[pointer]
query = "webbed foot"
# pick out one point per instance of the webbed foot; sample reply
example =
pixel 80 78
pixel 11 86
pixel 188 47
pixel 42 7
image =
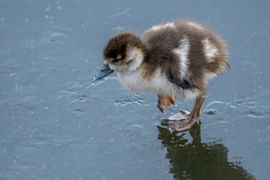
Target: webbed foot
pixel 181 121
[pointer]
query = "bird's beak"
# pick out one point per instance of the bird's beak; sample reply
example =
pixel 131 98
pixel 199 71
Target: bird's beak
pixel 103 72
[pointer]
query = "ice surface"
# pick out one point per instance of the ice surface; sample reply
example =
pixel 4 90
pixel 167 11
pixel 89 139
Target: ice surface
pixel 56 123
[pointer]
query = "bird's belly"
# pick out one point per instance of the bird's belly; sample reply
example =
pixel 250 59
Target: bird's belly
pixel 158 84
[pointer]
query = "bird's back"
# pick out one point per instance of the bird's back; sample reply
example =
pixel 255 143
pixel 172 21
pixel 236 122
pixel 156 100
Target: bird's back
pixel 186 52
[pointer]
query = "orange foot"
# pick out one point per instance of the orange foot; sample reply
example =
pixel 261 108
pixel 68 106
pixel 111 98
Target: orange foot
pixel 165 101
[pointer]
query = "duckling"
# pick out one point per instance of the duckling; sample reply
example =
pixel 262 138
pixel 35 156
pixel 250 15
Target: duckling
pixel 172 59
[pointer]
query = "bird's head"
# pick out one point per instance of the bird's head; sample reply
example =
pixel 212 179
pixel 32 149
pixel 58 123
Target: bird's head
pixel 124 52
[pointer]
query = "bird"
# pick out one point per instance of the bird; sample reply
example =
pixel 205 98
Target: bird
pixel 172 59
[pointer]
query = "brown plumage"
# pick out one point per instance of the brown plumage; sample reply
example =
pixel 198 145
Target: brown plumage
pixel 171 59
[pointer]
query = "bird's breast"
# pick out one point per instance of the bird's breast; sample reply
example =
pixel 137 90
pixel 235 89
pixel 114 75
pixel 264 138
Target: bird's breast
pixel 158 82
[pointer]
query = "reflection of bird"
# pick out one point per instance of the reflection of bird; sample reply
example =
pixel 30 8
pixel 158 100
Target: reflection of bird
pixel 197 160
pixel 171 59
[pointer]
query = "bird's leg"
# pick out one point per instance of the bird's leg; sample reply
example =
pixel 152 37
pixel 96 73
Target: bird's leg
pixel 196 112
pixel 185 120
pixel 165 101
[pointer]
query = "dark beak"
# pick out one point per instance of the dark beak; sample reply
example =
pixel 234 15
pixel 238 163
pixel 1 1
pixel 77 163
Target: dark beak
pixel 103 72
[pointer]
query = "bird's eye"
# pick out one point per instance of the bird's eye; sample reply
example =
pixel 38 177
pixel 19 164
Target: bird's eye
pixel 115 60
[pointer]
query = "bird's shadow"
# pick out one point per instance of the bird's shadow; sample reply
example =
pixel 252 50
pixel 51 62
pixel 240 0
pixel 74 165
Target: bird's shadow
pixel 193 159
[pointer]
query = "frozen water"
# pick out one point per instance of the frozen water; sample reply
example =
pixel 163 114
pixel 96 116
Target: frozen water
pixel 57 123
